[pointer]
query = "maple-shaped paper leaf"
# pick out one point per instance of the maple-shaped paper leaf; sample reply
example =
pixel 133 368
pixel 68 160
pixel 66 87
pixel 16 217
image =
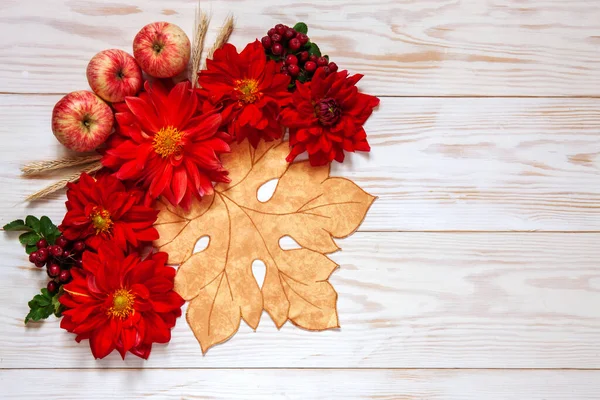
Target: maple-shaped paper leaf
pixel 307 205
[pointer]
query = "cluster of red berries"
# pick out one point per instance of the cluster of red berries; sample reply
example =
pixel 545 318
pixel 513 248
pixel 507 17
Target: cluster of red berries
pixel 58 258
pixel 283 43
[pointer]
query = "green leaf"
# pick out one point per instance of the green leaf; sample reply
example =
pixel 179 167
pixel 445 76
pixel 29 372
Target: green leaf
pixel 33 223
pixel 16 225
pixel 30 248
pixel 29 238
pixel 58 307
pixel 47 228
pixel 314 50
pixel 40 307
pixel 301 27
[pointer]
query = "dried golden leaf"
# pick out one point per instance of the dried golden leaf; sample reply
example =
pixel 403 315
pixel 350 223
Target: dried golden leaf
pixel 307 205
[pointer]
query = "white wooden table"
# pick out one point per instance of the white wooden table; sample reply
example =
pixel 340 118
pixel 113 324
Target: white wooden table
pixel 476 275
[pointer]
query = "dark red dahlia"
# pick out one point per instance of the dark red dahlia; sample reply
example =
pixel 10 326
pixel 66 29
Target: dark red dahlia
pixel 249 90
pixel 103 211
pixel 326 117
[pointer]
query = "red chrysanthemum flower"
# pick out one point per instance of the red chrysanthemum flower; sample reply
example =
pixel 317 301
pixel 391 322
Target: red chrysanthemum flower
pixel 326 117
pixel 166 146
pixel 249 90
pixel 121 302
pixel 103 211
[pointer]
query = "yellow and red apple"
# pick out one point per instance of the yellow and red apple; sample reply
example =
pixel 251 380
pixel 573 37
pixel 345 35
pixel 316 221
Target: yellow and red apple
pixel 113 75
pixel 162 49
pixel 82 121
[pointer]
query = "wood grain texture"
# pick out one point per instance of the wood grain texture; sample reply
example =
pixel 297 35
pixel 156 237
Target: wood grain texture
pixel 407 48
pixel 436 164
pixel 406 300
pixel 305 384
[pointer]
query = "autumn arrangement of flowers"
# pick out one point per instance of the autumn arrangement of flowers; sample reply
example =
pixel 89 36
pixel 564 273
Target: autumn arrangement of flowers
pixel 159 134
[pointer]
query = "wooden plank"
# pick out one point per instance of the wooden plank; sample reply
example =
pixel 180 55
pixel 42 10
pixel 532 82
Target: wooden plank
pixel 301 384
pixel 406 300
pixel 409 47
pixel 436 164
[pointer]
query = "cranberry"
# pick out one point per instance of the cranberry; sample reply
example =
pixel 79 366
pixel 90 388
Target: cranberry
pixel 326 69
pixel 42 254
pixel 39 263
pixel 56 250
pixel 303 56
pixel 64 276
pixel 266 42
pixel 289 33
pixel 293 69
pixel 291 59
pixel 313 58
pixel 272 31
pixel 53 270
pixel 280 28
pixel 52 287
pixel 294 44
pixel 78 262
pixel 333 67
pixel 276 38
pixel 302 38
pixel 277 49
pixel 322 61
pixel 310 66
pixel 62 242
pixel 66 254
pixel 33 257
pixel 42 244
pixel 78 247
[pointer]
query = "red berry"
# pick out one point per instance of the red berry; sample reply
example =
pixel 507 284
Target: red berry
pixel 66 254
pixel 39 264
pixel 56 250
pixel 33 257
pixel 289 33
pixel 322 61
pixel 291 59
pixel 266 42
pixel 303 56
pixel 78 247
pixel 326 69
pixel 277 49
pixel 293 69
pixel 302 38
pixel 313 58
pixel 280 28
pixel 272 31
pixel 333 67
pixel 52 287
pixel 62 242
pixel 294 44
pixel 53 270
pixel 41 244
pixel 310 66
pixel 276 38
pixel 42 254
pixel 78 262
pixel 64 276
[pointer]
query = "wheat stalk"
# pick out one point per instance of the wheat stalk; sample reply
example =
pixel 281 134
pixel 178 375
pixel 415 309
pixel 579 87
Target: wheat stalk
pixel 40 167
pixel 201 27
pixel 223 37
pixel 90 169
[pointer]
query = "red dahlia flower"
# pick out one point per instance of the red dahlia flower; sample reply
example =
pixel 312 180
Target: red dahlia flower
pixel 250 90
pixel 103 211
pixel 326 117
pixel 121 302
pixel 166 146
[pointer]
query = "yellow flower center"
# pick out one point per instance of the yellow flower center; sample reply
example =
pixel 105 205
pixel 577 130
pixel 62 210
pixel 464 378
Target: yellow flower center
pixel 101 220
pixel 122 305
pixel 167 141
pixel 247 90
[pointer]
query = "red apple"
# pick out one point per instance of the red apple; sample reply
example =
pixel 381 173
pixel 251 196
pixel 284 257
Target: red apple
pixel 82 121
pixel 162 49
pixel 113 75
